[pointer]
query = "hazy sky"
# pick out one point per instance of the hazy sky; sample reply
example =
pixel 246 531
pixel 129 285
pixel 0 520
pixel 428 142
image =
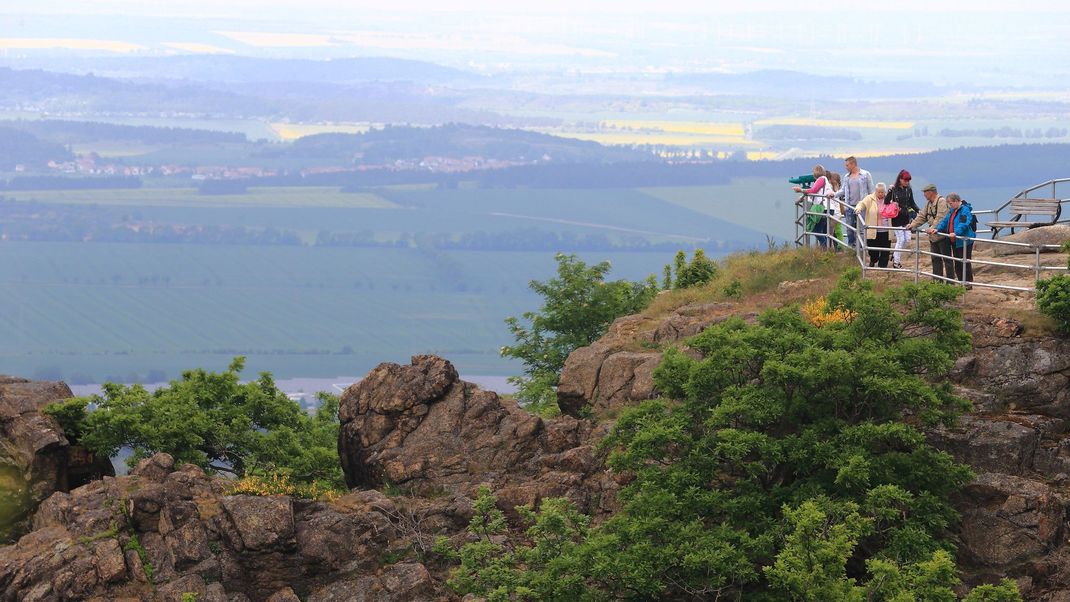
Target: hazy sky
pixel 934 40
pixel 295 9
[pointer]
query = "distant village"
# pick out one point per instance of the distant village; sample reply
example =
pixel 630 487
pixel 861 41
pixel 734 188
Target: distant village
pixel 92 164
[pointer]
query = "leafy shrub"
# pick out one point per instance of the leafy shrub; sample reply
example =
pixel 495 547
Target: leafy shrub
pixel 1053 299
pixel 280 484
pixel 215 421
pixel 781 469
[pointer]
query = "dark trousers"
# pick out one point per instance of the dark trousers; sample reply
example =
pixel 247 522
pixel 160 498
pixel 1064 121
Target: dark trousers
pixel 942 266
pixel 821 229
pixel 963 255
pixel 878 250
pixel 852 223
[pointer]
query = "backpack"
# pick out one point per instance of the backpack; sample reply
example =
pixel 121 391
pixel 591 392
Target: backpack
pixel 973 218
pixel 889 210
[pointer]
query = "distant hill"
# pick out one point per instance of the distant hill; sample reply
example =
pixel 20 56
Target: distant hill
pixel 246 69
pixel 240 69
pixel 375 101
pixel 72 132
pixel 399 143
pixel 22 148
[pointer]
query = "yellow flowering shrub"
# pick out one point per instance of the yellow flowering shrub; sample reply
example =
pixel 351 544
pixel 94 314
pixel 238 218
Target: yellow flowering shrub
pixel 281 484
pixel 817 312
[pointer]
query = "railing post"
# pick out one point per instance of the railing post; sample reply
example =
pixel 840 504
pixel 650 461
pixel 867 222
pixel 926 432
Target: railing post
pixel 1037 278
pixel 797 238
pixel 917 256
pixel 860 245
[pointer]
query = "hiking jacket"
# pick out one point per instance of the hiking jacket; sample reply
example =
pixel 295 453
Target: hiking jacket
pixel 962 218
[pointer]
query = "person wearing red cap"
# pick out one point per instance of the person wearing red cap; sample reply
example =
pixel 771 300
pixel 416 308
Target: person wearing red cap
pixel 903 195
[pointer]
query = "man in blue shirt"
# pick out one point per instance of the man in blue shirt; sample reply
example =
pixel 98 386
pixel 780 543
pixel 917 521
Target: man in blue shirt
pixel 857 185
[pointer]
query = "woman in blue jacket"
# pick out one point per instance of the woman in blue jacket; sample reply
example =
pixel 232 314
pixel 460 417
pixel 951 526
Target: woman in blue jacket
pixel 957 225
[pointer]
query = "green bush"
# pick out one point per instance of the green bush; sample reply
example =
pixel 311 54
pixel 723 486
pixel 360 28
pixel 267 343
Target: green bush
pixel 782 468
pixel 215 421
pixel 1053 299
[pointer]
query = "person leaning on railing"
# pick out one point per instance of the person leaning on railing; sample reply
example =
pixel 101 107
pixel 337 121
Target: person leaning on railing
pixel 930 216
pixel 819 193
pixel 957 225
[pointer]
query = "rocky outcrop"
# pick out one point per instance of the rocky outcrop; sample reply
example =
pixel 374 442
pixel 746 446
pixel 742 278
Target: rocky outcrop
pixel 1030 374
pixel 422 429
pixel 36 458
pixel 163 532
pixel 617 370
pixel 1045 235
pixel 1014 514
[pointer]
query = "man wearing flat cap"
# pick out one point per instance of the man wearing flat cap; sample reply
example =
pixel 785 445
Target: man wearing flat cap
pixel 934 211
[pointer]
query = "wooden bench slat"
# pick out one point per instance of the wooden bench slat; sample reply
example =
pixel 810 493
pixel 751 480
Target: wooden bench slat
pixel 1035 212
pixel 1017 224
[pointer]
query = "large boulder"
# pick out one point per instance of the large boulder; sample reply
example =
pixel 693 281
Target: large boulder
pixel 1008 520
pixel 422 429
pixel 617 370
pixel 1055 234
pixel 36 459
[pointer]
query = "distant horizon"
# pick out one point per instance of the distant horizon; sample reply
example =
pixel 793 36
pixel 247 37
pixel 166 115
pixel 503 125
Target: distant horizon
pixel 937 42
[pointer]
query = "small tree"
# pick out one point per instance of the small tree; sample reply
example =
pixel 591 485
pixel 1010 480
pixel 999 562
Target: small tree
pixel 698 271
pixel 212 420
pixel 578 306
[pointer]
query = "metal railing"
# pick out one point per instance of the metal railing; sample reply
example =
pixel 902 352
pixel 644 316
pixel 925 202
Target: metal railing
pixel 961 266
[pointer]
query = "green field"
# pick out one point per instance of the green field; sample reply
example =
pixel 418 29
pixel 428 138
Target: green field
pixel 89 311
pixel 306 196
pixel 79 311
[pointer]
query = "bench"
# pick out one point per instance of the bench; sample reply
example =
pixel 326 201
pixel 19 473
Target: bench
pixel 1046 212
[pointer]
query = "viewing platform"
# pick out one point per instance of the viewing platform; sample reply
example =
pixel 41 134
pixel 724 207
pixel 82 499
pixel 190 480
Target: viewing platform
pixel 1016 244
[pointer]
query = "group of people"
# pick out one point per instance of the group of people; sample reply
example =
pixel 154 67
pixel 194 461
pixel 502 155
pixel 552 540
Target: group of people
pixel 948 221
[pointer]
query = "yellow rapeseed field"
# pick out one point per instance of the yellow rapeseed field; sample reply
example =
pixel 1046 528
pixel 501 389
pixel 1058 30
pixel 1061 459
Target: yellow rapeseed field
pixel 293 131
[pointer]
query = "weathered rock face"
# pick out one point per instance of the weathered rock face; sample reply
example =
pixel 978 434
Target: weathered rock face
pixel 610 374
pixel 421 428
pixel 1014 514
pixel 1024 374
pixel 162 532
pixel 35 457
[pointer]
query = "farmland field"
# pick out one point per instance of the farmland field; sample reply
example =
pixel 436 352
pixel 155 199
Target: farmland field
pixel 87 311
pixel 90 311
pixel 319 196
